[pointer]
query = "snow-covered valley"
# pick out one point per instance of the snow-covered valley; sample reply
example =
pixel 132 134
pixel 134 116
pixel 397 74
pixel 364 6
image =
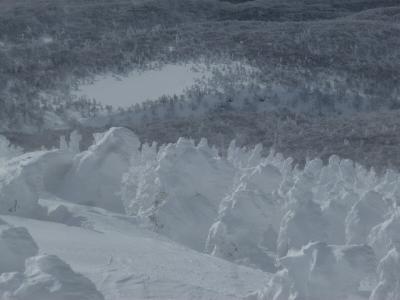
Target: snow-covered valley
pixel 123 220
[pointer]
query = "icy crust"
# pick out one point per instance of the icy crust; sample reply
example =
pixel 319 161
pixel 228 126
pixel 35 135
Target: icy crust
pixel 26 276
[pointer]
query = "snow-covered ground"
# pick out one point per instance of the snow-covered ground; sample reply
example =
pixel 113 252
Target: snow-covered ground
pixel 127 262
pixel 137 87
pixel 123 220
pixel 168 80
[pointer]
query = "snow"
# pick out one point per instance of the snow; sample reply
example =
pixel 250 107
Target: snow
pixel 24 178
pixel 321 271
pixel 16 245
pixel 178 190
pixel 25 275
pixel 384 236
pixel 388 287
pixel 7 151
pixel 364 215
pixel 180 221
pixel 123 259
pixel 95 175
pixel 248 221
pixel 137 87
pixel 47 277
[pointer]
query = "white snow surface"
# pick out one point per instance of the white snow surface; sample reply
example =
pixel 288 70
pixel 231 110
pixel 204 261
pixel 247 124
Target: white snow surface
pixel 16 245
pixel 137 87
pixel 47 277
pixel 127 262
pixel 181 222
pixel 95 175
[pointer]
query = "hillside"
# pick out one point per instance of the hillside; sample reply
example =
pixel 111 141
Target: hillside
pixel 273 175
pixel 315 59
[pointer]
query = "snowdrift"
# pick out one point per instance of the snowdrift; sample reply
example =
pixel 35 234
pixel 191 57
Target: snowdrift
pixel 16 245
pixel 25 178
pixel 26 276
pixel 47 277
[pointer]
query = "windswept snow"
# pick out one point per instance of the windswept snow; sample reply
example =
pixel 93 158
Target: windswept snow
pixel 180 221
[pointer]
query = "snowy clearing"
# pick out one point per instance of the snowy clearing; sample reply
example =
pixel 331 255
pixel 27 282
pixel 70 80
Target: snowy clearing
pixel 137 87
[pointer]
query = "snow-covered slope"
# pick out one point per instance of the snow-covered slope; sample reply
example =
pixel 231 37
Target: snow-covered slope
pixel 127 262
pixel 26 276
pixel 180 221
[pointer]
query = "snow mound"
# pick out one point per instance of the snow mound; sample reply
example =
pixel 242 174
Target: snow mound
pixel 26 276
pixel 24 178
pixel 321 271
pixel 16 245
pixel 47 277
pixel 60 213
pixel 178 189
pixel 95 176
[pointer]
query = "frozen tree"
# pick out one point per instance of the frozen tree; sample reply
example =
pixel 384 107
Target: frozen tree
pixel 74 141
pixel 63 143
pixel 389 276
pixel 7 150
